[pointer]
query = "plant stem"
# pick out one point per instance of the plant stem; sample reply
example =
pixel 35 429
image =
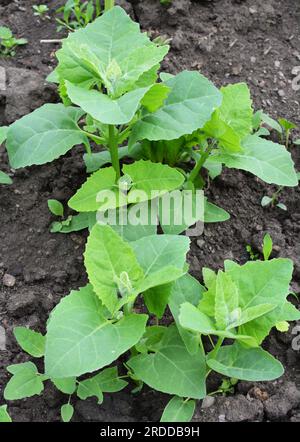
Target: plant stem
pixel 108 4
pixel 217 347
pixel 200 163
pixel 113 148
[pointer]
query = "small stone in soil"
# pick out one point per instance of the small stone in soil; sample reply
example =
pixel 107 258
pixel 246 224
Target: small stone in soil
pixel 9 280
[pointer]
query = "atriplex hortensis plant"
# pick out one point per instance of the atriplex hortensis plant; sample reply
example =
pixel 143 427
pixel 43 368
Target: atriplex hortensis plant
pixel 90 328
pixel 109 69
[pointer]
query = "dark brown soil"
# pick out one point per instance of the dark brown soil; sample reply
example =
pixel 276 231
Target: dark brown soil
pixel 229 41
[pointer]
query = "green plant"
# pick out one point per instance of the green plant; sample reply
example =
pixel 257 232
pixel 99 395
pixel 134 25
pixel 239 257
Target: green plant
pixel 4 178
pixel 4 416
pixel 77 14
pixel 241 304
pixel 40 11
pixel 282 126
pixel 8 42
pixel 273 201
pixel 253 256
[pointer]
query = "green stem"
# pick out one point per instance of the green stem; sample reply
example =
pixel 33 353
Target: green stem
pixel 214 353
pixel 200 163
pixel 113 148
pixel 108 4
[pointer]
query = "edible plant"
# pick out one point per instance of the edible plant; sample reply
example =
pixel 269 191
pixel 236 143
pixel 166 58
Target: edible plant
pixel 8 43
pixel 90 328
pixel 77 14
pixel 40 11
pixel 273 201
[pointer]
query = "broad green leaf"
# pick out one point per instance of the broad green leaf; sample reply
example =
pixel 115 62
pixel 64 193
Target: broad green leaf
pixel 191 318
pixel 214 214
pixel 81 340
pixel 249 314
pixel 86 198
pixel 188 107
pixel 269 161
pixel 103 108
pixel 89 388
pixel 4 178
pixel 132 232
pixel 44 135
pixel 172 369
pixel 148 177
pixel 3 133
pixel 107 259
pixel 216 128
pixel 186 289
pixel 109 381
pixel 152 339
pixel 67 412
pixel 156 299
pixel 111 49
pixel 226 301
pixel 26 382
pixel 16 368
pixel 56 207
pixel 236 109
pixel 178 410
pixel 248 364
pixel 4 416
pixel 160 277
pixel 30 341
pixel 155 97
pixel 214 169
pixel 66 385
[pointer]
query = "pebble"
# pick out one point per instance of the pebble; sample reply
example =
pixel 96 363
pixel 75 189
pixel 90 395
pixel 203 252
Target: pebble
pixel 208 401
pixel 9 280
pixel 281 93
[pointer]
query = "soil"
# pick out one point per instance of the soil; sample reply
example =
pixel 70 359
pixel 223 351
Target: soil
pixel 228 41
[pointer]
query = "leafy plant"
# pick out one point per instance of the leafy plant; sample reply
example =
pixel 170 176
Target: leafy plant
pixel 4 178
pixel 4 416
pixel 8 43
pixel 40 11
pixel 77 14
pixel 273 201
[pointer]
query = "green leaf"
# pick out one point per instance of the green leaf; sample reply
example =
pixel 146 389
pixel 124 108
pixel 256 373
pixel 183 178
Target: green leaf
pixel 96 160
pixel 131 232
pixel 67 412
pixel 66 385
pixel 5 33
pixel 81 340
pixel 148 177
pixel 111 49
pixel 172 369
pixel 226 300
pixel 107 257
pixel 265 201
pixel 56 207
pixel 269 161
pixel 236 109
pixel 75 223
pixel 32 342
pixel 186 289
pixel 85 199
pixel 267 246
pixel 4 416
pixel 156 299
pixel 160 277
pixel 188 107
pixel 3 133
pixel 178 410
pixel 109 381
pixel 90 388
pixel 44 135
pixel 273 124
pixel 26 382
pixel 214 214
pixel 286 125
pixel 103 108
pixel 4 178
pixel 248 364
pixel 155 97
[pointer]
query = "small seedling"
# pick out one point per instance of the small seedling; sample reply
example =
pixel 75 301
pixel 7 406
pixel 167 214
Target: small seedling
pixel 40 11
pixel 226 387
pixel 267 246
pixel 77 14
pixel 253 256
pixel 273 201
pixel 8 42
pixel 282 126
pixel 56 207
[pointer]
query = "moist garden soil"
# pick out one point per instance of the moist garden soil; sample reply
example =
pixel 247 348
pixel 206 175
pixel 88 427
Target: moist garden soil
pixel 228 41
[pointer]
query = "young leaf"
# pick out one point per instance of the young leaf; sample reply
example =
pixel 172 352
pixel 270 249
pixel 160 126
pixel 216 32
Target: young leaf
pixel 26 382
pixel 89 388
pixel 56 207
pixel 107 256
pixel 188 107
pixel 266 201
pixel 248 364
pixel 226 300
pixel 214 214
pixel 30 341
pixel 4 416
pixel 81 340
pixel 269 161
pixel 105 109
pixel 156 299
pixel 67 412
pixel 109 381
pixel 186 289
pixel 267 246
pixel 44 135
pixel 3 133
pixel 66 385
pixel 4 178
pixel 178 410
pixel 286 125
pixel 273 124
pixel 155 97
pixel 172 369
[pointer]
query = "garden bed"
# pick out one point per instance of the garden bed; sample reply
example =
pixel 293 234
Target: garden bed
pixel 228 41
